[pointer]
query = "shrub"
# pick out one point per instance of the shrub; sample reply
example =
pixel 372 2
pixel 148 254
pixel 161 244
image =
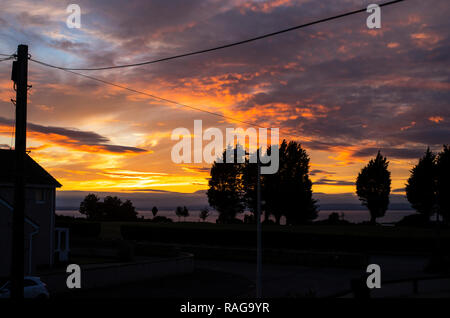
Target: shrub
pixel 333 219
pixel 161 219
pixel 414 220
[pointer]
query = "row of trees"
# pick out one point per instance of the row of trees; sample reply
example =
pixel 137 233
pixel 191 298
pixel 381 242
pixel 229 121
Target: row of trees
pixel 111 209
pixel 288 193
pixel 427 189
pixel 182 212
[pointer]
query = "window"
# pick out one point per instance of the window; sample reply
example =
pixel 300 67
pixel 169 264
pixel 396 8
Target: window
pixel 40 195
pixel 63 241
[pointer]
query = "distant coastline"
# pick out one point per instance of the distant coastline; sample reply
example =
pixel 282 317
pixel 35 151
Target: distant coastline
pixel 354 216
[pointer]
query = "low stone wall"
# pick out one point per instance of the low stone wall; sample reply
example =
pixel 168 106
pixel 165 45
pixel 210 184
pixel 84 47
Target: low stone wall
pixel 414 287
pixel 427 286
pixel 104 275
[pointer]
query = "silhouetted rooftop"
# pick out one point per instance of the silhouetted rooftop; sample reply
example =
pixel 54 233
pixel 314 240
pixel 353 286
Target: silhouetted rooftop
pixel 34 173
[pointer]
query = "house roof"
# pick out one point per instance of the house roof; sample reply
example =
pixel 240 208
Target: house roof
pixel 34 173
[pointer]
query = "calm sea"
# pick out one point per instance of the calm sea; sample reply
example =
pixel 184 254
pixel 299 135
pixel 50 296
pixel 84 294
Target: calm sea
pixel 354 216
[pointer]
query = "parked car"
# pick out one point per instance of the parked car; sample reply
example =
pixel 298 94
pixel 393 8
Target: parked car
pixel 33 288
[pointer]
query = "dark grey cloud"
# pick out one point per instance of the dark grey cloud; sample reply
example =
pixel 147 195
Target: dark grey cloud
pixel 318 171
pixel 199 169
pixel 402 153
pixel 372 92
pixel 76 137
pixel 333 182
pixel 84 137
pixel 432 134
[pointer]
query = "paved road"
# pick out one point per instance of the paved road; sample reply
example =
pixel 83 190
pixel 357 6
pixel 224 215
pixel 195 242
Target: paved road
pixel 288 280
pixel 200 284
pixel 213 278
pixel 291 280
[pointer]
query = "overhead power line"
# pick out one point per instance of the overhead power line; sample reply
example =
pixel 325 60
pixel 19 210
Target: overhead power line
pixel 218 47
pixel 72 70
pixel 6 59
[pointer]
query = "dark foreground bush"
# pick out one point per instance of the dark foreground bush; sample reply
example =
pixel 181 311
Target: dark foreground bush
pixel 417 220
pixel 81 229
pixel 161 219
pixel 333 219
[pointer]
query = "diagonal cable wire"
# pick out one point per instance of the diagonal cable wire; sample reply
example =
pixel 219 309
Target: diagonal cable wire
pixel 6 59
pixel 155 97
pixel 72 70
pixel 218 47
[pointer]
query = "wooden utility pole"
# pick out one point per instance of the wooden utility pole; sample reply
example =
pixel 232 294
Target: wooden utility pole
pixel 20 78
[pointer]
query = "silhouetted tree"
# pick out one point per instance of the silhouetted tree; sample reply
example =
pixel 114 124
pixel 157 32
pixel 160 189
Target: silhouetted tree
pixel 185 212
pixel 91 208
pixel 443 183
pixel 421 185
pixel 249 174
pixel 249 183
pixel 154 211
pixel 333 218
pixel 272 188
pixel 111 209
pixel 179 212
pixel 204 213
pixel 127 211
pixel 373 186
pixel 288 192
pixel 225 189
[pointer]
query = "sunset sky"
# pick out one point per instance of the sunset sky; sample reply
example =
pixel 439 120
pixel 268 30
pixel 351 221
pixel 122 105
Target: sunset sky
pixel 345 91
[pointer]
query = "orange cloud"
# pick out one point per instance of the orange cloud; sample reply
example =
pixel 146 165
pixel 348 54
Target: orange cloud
pixel 436 119
pixel 6 91
pixel 425 40
pixel 393 45
pixel 413 123
pixel 265 6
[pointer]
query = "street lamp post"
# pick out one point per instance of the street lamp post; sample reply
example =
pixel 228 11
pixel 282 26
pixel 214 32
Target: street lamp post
pixel 258 230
